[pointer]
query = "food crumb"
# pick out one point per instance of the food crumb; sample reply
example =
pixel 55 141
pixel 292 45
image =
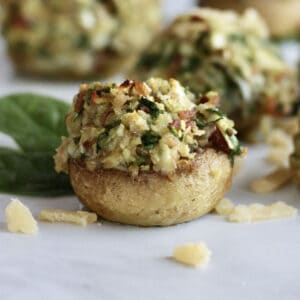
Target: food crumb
pixel 258 212
pixel 272 181
pixel 194 254
pixel 19 218
pixel 76 217
pixel 224 207
pixel 280 147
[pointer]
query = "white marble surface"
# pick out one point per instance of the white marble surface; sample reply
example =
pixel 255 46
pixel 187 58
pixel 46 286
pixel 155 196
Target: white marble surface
pixel 109 261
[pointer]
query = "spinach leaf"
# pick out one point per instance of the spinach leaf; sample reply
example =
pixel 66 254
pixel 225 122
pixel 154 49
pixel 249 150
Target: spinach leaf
pixel 36 123
pixel 31 174
pixel 150 139
pixel 151 106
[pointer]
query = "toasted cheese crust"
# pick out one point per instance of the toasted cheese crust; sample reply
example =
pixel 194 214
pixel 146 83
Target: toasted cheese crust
pixel 156 125
pixel 210 49
pixel 77 38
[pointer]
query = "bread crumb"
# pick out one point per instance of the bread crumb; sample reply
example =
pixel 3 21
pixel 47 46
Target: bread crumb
pixel 271 182
pixel 76 217
pixel 195 255
pixel 19 218
pixel 258 212
pixel 224 207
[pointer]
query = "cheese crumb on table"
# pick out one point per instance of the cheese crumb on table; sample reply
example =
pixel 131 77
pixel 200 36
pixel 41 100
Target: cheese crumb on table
pixel 76 217
pixel 19 218
pixel 195 255
pixel 224 207
pixel 271 182
pixel 258 212
pixel 281 146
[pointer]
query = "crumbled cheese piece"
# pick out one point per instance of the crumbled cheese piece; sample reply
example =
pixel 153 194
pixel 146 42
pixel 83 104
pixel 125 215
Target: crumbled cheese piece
pixel 281 146
pixel 278 156
pixel 258 212
pixel 77 217
pixel 224 207
pixel 196 255
pixel 271 182
pixel 19 218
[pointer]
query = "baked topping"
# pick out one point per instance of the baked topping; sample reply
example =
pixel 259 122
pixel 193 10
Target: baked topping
pixel 156 125
pixel 77 35
pixel 220 50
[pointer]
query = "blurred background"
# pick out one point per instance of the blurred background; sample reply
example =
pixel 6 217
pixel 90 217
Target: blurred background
pixel 15 56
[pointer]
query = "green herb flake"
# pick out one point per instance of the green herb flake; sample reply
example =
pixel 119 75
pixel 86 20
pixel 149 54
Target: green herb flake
pixel 235 152
pixel 216 111
pixel 150 139
pixel 151 106
pixel 102 140
pixel 113 125
pixel 89 94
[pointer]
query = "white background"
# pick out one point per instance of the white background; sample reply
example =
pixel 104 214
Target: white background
pixel 111 261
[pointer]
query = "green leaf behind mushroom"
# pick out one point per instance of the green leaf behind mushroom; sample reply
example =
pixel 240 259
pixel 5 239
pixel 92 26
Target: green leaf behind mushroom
pixel 36 123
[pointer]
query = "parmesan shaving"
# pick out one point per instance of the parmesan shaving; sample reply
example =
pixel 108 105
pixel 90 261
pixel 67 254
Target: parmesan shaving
pixel 258 212
pixel 195 255
pixel 224 207
pixel 76 217
pixel 271 182
pixel 19 218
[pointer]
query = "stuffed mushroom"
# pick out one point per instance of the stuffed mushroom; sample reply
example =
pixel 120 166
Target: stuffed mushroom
pixel 78 38
pixel 295 158
pixel 282 16
pixel 210 49
pixel 147 153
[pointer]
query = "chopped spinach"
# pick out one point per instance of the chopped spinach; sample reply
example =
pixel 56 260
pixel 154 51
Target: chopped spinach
pixel 151 106
pixel 216 110
pixel 150 139
pixel 102 140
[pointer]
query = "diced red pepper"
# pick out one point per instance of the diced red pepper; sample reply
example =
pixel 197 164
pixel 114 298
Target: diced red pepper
pixel 176 124
pixel 21 22
pixel 127 83
pixel 270 106
pixel 187 114
pixel 93 97
pixel 140 87
pixel 105 116
pixel 196 19
pixel 79 103
pixel 218 141
pixel 203 99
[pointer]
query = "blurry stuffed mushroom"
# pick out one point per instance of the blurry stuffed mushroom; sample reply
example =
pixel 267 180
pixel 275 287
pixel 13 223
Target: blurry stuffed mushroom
pixel 295 158
pixel 78 38
pixel 148 153
pixel 282 16
pixel 209 49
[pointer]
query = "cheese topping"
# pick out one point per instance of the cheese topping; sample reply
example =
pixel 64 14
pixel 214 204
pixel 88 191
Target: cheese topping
pixel 77 35
pixel 209 49
pixel 156 125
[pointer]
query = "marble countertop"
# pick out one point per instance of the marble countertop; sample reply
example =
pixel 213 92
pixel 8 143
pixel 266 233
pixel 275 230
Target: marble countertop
pixel 258 261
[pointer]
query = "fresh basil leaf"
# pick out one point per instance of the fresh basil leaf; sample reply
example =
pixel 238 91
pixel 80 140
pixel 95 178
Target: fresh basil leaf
pixel 35 122
pixel 31 174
